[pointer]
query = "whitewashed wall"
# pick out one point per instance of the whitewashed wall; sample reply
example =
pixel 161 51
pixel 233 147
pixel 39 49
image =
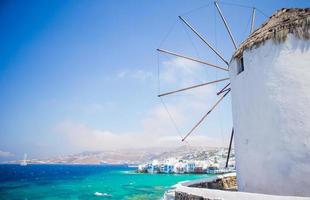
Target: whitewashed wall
pixel 271 117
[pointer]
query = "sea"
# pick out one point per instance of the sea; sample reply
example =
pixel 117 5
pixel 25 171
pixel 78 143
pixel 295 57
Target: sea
pixel 84 182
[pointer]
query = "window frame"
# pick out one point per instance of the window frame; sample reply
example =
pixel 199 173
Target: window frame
pixel 240 65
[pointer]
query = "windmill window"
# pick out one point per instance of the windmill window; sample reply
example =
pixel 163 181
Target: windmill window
pixel 240 65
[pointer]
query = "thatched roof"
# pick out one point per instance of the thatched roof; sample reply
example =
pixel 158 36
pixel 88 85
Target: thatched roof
pixel 282 22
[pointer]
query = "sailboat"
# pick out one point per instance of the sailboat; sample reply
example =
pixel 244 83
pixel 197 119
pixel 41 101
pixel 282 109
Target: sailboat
pixel 24 162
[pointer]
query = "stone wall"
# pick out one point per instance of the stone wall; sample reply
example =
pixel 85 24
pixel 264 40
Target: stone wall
pixel 185 196
pixel 226 183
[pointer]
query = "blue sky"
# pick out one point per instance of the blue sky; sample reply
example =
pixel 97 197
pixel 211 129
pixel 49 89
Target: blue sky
pixel 82 75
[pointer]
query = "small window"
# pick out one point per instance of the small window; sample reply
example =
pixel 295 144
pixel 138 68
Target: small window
pixel 240 65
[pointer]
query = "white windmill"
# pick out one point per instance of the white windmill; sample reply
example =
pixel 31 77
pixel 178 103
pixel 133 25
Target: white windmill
pixel 269 78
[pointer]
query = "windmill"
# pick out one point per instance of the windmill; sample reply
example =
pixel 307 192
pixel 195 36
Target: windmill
pixel 223 92
pixel 269 86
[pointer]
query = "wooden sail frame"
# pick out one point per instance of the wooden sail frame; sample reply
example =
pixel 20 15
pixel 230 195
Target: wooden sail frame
pixel 226 89
pixel 192 87
pixel 226 24
pixel 203 118
pixel 191 58
pixel 203 39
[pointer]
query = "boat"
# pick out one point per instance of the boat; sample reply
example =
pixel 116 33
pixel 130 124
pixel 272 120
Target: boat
pixel 100 194
pixel 24 162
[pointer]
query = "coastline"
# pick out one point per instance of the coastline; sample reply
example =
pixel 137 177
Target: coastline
pixel 82 181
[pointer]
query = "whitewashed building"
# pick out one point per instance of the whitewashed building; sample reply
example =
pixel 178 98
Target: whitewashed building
pixel 190 167
pixel 270 81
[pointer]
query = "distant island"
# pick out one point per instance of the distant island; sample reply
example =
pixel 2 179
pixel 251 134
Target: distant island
pixel 132 157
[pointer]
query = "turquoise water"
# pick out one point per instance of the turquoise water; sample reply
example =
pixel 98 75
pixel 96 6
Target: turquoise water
pixel 82 181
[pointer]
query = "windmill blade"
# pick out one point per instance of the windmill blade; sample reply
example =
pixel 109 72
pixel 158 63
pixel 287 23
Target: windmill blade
pixel 201 120
pixel 204 40
pixel 226 24
pixel 229 149
pixel 191 87
pixel 223 89
pixel 253 20
pixel 192 59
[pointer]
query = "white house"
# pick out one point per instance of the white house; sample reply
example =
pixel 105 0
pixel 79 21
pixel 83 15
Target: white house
pixel 190 167
pixel 167 166
pixel 179 167
pixel 154 167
